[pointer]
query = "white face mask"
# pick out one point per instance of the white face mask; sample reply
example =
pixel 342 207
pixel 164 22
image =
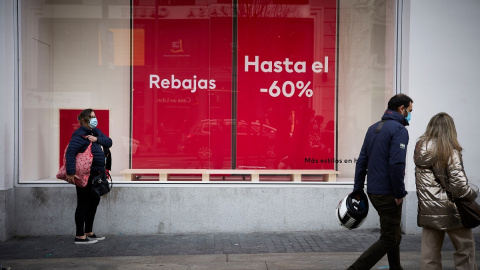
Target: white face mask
pixel 93 123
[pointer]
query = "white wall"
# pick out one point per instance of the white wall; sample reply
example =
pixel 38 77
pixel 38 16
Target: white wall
pixel 440 72
pixel 7 123
pixel 7 85
pixel 444 73
pixel 187 209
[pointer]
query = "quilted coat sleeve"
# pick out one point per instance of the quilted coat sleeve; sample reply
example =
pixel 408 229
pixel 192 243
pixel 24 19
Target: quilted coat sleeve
pixel 457 179
pixel 396 169
pixel 361 168
pixel 103 140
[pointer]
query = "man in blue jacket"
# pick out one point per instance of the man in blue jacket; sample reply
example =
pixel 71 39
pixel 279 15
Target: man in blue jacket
pixel 382 157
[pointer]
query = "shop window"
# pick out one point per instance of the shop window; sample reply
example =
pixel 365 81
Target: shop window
pixel 186 85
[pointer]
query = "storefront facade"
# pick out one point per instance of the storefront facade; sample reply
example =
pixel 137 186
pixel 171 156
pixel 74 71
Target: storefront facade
pixel 216 85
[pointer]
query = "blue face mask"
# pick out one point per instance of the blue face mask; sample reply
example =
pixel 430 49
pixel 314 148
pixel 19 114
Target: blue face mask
pixel 408 117
pixel 93 123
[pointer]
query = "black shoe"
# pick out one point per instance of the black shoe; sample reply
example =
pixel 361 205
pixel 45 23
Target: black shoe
pixel 95 237
pixel 85 241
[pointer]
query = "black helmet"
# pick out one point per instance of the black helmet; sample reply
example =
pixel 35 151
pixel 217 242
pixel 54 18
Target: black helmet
pixel 353 210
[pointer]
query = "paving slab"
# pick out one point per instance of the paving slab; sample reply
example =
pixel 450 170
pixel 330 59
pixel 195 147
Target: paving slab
pixel 284 250
pixel 276 261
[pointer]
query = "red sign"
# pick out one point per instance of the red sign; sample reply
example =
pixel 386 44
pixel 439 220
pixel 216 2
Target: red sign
pixel 213 91
pixel 69 123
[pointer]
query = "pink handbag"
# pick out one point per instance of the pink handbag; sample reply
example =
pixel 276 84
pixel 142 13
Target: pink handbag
pixel 82 167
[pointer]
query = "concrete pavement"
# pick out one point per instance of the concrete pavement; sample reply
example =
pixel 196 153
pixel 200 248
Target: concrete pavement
pixel 286 250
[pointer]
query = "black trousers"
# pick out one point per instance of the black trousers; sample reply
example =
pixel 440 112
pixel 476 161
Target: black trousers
pixel 391 235
pixel 86 207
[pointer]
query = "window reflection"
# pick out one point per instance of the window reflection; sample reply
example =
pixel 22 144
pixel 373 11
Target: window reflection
pixel 211 109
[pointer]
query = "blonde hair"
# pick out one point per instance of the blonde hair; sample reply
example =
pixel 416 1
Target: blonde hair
pixel 441 128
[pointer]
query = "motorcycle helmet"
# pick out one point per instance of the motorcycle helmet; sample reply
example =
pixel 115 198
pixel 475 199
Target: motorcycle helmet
pixel 353 210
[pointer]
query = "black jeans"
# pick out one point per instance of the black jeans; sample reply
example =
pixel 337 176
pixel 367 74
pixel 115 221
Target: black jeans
pixel 86 207
pixel 391 235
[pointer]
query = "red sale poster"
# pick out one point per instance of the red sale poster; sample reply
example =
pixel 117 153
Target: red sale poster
pixel 286 83
pixel 213 90
pixel 183 88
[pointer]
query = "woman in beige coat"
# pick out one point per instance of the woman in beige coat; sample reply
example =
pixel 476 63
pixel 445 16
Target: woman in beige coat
pixel 439 168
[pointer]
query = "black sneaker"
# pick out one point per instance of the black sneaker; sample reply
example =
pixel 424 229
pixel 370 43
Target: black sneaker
pixel 85 241
pixel 95 237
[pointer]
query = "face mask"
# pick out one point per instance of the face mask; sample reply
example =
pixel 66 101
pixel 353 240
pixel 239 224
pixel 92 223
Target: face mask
pixel 93 123
pixel 408 117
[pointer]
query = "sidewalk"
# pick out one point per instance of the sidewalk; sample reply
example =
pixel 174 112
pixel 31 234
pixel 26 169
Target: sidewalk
pixel 290 250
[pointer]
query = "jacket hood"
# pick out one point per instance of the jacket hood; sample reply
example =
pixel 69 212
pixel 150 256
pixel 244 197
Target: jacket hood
pixel 393 115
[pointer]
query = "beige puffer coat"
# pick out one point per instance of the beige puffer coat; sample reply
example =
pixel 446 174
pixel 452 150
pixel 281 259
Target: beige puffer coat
pixel 435 209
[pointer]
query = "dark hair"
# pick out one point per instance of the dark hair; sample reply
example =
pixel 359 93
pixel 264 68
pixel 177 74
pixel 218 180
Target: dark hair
pixel 398 100
pixel 84 116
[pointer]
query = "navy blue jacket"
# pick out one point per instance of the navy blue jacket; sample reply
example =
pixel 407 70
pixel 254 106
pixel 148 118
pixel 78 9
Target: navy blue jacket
pixel 383 157
pixel 78 144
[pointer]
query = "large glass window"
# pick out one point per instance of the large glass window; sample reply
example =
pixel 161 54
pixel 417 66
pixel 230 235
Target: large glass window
pixel 366 54
pixel 75 55
pixel 264 84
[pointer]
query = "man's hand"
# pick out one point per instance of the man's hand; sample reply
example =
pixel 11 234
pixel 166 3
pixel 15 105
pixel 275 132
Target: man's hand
pixel 399 201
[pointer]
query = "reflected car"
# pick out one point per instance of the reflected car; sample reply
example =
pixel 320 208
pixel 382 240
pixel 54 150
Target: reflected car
pixel 253 139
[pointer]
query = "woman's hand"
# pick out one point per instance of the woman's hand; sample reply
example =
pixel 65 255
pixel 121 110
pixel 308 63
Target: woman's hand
pixel 91 138
pixel 71 178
